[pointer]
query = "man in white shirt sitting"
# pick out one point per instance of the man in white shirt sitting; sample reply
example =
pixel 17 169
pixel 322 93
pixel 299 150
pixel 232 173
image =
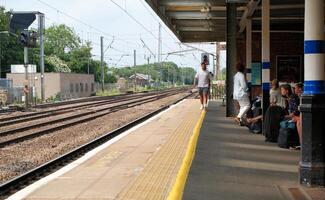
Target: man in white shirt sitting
pixel 202 81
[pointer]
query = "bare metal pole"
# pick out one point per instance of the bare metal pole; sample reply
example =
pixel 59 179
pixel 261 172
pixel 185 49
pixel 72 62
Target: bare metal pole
pixel 159 52
pixel 148 59
pixel 217 75
pixel 26 89
pixel 102 61
pixel 41 22
pixel 0 53
pixel 135 72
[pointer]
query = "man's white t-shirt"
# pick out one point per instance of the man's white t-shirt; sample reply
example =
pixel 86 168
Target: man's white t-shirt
pixel 203 77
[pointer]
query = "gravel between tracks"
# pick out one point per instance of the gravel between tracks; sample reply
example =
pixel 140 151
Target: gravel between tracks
pixel 59 116
pixel 19 158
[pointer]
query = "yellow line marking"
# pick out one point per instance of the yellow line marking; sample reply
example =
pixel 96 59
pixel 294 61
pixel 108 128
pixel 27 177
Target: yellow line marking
pixel 176 192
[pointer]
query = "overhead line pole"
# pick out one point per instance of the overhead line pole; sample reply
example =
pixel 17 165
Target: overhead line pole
pixel 102 61
pixel 135 73
pixel 41 22
pixel 159 51
pixel 26 89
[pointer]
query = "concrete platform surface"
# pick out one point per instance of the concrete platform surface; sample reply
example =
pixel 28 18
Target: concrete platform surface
pixel 233 164
pixel 141 165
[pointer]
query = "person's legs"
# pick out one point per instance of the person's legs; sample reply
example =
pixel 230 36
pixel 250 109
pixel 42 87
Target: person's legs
pixel 244 107
pixel 299 128
pixel 205 95
pixel 201 97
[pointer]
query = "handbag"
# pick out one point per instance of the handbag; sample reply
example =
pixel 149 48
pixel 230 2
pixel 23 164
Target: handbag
pixel 288 124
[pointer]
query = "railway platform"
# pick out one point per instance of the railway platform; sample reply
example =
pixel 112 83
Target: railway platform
pixel 182 153
pixel 141 163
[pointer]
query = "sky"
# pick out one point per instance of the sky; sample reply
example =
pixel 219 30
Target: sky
pixel 95 18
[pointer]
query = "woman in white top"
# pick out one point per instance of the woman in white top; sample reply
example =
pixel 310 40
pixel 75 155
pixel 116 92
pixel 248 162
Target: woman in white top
pixel 276 98
pixel 241 92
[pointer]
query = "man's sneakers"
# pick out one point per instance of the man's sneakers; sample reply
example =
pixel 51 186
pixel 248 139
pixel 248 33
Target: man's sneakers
pixel 204 106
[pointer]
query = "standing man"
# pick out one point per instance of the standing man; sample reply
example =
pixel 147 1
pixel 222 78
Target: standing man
pixel 240 93
pixel 202 81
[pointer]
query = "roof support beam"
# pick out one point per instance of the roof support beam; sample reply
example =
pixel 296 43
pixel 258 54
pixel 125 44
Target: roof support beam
pixel 251 7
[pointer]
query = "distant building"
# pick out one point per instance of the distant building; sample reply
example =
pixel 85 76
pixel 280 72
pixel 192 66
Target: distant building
pixel 64 85
pixel 122 84
pixel 141 79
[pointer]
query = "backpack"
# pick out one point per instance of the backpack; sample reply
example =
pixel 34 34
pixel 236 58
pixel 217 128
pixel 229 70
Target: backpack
pixel 288 138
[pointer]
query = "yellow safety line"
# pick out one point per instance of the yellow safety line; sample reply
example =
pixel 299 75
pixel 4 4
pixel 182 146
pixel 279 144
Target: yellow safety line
pixel 176 192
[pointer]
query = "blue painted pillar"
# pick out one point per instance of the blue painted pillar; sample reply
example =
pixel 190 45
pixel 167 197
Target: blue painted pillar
pixel 312 164
pixel 266 53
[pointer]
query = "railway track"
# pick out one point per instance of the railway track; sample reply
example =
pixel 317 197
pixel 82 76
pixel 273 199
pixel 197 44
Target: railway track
pixel 23 180
pixel 93 102
pixel 71 120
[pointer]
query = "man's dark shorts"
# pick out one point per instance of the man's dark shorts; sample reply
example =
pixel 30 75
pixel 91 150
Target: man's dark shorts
pixel 203 90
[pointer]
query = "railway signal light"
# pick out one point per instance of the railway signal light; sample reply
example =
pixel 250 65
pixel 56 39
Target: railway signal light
pixel 28 38
pixel 205 58
pixel 24 38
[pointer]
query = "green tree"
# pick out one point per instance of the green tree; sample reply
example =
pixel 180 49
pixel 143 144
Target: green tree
pixel 11 52
pixel 165 72
pixel 60 39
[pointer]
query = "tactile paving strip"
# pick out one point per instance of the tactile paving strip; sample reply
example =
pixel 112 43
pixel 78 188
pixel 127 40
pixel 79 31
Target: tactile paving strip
pixel 155 181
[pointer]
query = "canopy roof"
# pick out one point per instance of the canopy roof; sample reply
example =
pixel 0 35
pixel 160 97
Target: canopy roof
pixel 205 20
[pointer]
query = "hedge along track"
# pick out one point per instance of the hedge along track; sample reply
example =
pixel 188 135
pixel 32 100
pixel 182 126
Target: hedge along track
pixel 49 113
pixel 37 173
pixel 68 121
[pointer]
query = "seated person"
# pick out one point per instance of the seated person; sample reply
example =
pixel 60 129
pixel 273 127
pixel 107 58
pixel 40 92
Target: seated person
pixel 254 124
pixel 292 118
pixel 275 114
pixel 294 102
pixel 254 117
pixel 275 95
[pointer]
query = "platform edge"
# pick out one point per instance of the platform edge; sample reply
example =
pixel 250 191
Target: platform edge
pixel 176 192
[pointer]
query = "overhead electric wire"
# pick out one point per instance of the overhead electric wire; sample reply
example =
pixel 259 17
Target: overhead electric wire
pixel 155 18
pixel 137 21
pixel 74 18
pixel 82 22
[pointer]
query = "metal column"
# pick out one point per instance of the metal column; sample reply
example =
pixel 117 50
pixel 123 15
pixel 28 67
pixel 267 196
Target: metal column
pixel 231 56
pixel 266 53
pixel 102 61
pixel 312 164
pixel 135 71
pixel 26 84
pixel 159 53
pixel 249 52
pixel 41 22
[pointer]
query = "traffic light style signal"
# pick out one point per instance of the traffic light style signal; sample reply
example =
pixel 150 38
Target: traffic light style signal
pixel 24 38
pixel 205 58
pixel 28 38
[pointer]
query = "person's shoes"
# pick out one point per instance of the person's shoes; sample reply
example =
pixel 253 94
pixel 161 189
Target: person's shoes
pixel 295 148
pixel 237 120
pixel 201 108
pixel 206 106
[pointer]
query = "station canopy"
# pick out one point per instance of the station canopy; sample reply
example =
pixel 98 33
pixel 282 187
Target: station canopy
pixel 205 20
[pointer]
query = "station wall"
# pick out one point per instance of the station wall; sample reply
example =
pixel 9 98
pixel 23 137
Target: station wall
pixel 287 48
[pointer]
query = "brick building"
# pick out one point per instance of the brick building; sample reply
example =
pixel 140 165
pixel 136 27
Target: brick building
pixel 64 85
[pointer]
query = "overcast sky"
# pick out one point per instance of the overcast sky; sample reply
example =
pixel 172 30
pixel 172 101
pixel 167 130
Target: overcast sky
pixel 108 20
